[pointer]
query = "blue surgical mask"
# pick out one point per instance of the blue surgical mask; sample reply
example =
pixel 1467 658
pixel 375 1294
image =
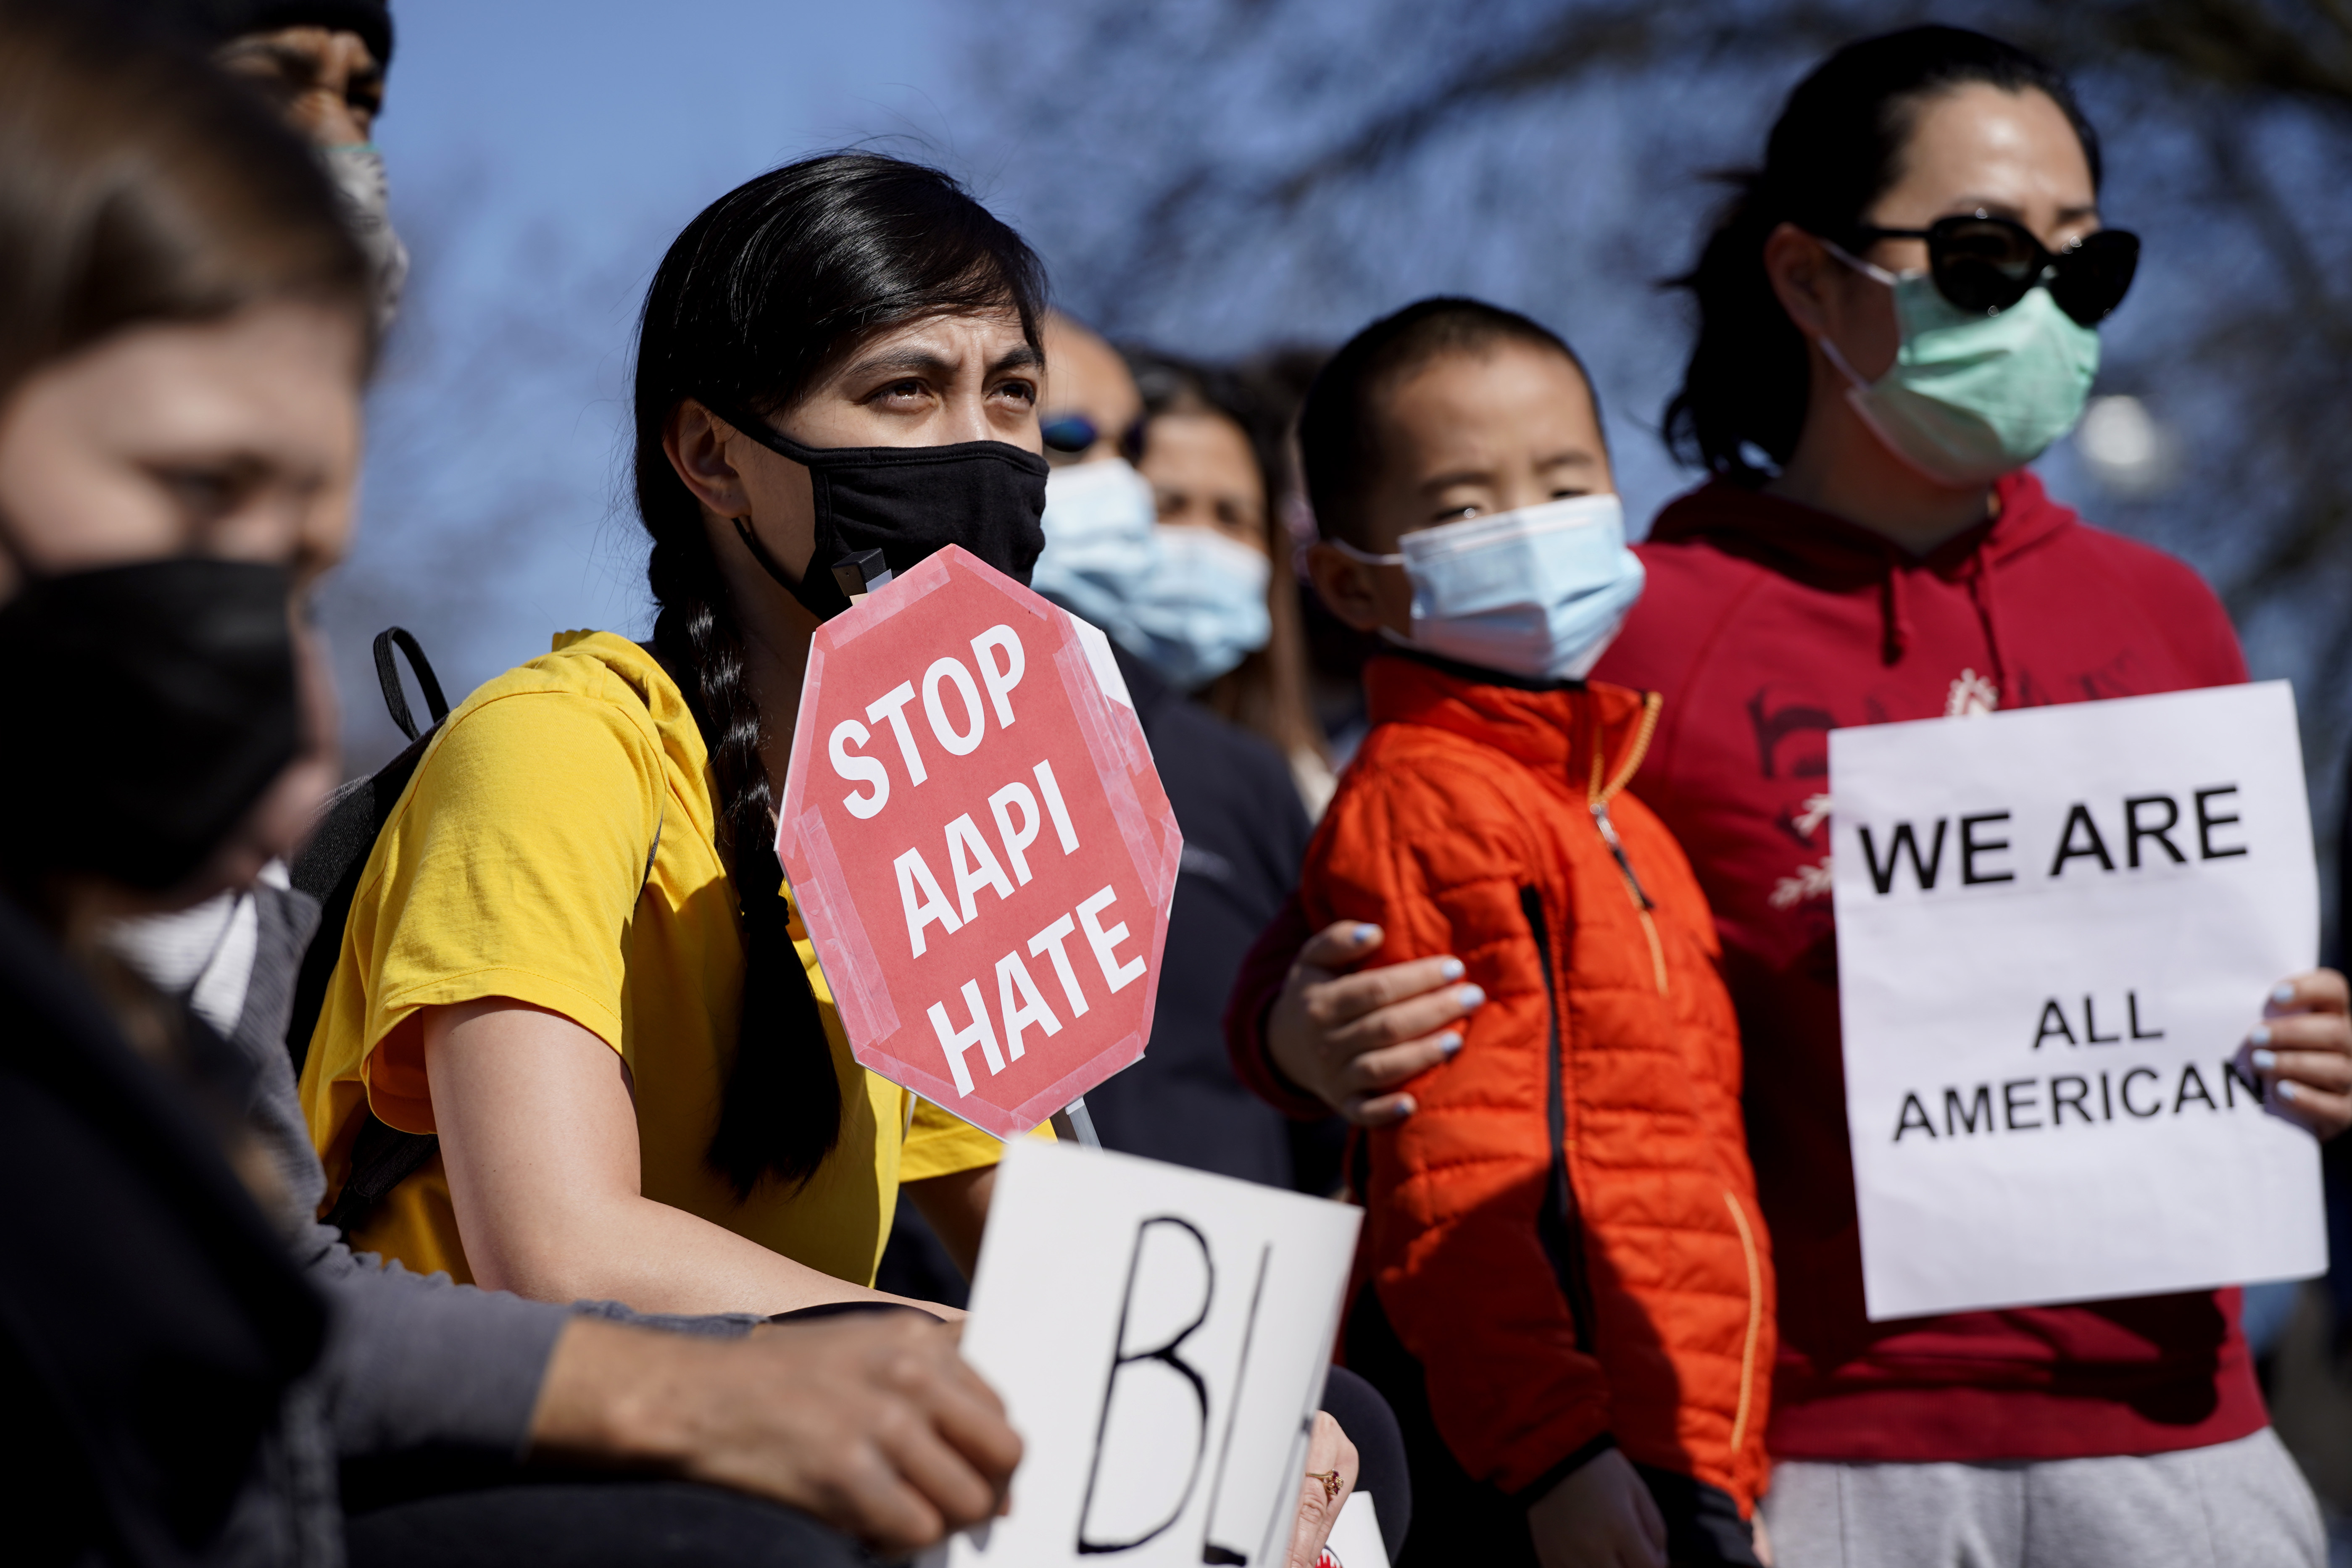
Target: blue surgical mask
pixel 1100 544
pixel 1537 593
pixel 1202 609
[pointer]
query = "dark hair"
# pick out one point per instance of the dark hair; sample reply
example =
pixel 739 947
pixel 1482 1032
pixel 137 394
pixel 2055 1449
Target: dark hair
pixel 1835 150
pixel 769 289
pixel 1337 446
pixel 1267 693
pixel 216 22
pixel 140 185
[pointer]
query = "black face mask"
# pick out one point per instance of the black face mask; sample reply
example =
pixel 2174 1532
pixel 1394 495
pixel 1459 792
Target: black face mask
pixel 157 704
pixel 908 502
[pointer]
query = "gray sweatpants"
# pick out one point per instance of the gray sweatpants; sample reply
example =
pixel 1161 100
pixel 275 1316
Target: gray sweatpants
pixel 2234 1505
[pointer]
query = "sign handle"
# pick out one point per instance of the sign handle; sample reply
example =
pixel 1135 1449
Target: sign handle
pixel 1074 1125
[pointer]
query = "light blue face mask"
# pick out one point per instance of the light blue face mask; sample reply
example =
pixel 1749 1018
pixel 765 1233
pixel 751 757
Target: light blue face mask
pixel 1537 593
pixel 1100 545
pixel 1202 609
pixel 1186 600
pixel 1971 397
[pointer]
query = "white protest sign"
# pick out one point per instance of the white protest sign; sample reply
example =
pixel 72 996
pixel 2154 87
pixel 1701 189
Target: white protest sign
pixel 1159 1337
pixel 1355 1539
pixel 2055 926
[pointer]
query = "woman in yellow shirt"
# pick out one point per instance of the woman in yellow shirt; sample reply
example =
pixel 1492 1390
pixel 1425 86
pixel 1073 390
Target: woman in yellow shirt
pixel 571 954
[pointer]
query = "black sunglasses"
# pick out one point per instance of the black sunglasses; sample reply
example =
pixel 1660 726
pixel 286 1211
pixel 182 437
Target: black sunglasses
pixel 1987 264
pixel 1076 433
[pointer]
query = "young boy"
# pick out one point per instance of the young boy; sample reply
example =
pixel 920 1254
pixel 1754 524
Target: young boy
pixel 1564 1286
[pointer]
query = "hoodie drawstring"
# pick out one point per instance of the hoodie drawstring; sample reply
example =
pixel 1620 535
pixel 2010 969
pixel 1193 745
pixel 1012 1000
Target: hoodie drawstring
pixel 1895 641
pixel 1981 594
pixel 1896 637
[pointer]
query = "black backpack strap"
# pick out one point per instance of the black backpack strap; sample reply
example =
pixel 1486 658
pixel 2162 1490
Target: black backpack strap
pixel 328 868
pixel 381 1158
pixel 387 675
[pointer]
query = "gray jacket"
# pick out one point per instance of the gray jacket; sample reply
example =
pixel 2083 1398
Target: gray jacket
pixel 413 1361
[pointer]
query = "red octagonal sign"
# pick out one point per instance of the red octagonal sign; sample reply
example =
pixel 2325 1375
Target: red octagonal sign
pixel 980 847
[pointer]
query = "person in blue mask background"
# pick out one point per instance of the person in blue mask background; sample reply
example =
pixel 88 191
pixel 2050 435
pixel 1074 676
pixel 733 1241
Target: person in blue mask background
pixel 1184 604
pixel 1223 611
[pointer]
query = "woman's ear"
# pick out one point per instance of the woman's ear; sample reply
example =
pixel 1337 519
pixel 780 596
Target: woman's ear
pixel 1347 586
pixel 695 441
pixel 1798 268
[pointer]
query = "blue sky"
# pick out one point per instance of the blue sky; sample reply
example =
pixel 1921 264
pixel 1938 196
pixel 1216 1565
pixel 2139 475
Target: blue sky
pixel 541 156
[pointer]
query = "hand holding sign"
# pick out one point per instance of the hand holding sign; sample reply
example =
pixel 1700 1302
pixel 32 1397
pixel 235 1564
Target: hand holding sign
pixel 1161 1337
pixel 2302 1051
pixel 982 852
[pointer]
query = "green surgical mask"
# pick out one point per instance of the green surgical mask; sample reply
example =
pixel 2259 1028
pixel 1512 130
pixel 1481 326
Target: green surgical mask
pixel 1969 397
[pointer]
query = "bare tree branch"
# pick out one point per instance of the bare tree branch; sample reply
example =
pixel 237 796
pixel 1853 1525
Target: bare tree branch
pixel 2246 44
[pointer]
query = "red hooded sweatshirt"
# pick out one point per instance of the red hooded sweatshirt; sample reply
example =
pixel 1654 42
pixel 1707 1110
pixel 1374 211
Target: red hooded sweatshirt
pixel 1765 625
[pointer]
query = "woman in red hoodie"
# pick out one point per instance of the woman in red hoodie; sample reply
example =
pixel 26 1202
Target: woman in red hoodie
pixel 1895 319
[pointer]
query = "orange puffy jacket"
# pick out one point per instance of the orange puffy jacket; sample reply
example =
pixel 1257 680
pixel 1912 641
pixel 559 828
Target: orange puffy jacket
pixel 1564 1235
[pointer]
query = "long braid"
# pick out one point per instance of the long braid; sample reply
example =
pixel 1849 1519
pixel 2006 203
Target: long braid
pixel 756 296
pixel 782 1109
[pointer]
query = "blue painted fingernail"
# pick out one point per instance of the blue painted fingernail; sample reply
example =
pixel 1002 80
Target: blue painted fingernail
pixel 1452 969
pixel 1407 1106
pixel 1364 932
pixel 2262 1034
pixel 2263 1061
pixel 1449 1043
pixel 2285 993
pixel 1469 997
pixel 2287 1090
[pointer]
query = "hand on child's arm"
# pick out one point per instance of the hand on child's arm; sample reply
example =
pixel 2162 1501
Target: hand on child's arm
pixel 1350 1038
pixel 1599 1516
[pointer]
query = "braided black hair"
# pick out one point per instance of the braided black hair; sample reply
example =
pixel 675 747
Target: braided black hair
pixel 775 283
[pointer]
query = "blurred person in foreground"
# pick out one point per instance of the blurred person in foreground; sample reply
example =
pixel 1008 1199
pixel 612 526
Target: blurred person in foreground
pixel 322 64
pixel 1186 600
pixel 186 325
pixel 1897 314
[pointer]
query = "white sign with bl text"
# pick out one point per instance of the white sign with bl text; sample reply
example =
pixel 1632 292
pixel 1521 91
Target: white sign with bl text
pixel 1159 1337
pixel 2056 927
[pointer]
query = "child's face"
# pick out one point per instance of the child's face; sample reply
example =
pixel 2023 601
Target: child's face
pixel 1465 435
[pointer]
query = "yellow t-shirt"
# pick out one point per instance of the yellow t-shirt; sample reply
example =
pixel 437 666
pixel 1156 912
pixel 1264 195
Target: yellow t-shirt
pixel 516 865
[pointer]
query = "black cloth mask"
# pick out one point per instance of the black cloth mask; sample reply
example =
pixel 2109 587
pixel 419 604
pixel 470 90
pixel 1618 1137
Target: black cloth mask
pixel 908 502
pixel 159 703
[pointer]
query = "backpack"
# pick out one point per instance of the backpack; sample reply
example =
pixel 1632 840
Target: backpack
pixel 328 868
